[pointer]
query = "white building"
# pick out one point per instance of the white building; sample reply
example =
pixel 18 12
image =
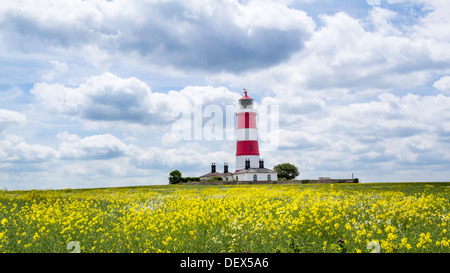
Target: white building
pixel 225 175
pixel 255 174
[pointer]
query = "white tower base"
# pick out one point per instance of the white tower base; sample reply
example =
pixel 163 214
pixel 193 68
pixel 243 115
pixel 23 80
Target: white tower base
pixel 240 161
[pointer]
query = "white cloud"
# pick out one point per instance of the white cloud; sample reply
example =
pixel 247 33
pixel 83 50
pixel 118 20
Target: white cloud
pixel 108 100
pixel 202 35
pixel 433 23
pixel 57 98
pixel 381 19
pixel 57 68
pixel 101 98
pixel 10 119
pixel 193 156
pixel 390 117
pixel 443 84
pixel 272 15
pixel 14 149
pixel 93 147
pixel 348 53
pixel 344 54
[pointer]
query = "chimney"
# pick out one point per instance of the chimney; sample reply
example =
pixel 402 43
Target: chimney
pixel 261 163
pixel 225 167
pixel 247 163
pixel 213 167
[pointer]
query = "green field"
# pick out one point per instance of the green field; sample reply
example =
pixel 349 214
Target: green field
pixel 396 217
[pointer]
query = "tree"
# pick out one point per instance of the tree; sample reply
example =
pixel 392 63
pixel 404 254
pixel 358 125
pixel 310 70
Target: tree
pixel 175 177
pixel 286 171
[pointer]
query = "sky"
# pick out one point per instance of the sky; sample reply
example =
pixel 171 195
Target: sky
pixel 92 93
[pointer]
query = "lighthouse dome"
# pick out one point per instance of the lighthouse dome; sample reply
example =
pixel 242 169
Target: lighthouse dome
pixel 246 102
pixel 246 97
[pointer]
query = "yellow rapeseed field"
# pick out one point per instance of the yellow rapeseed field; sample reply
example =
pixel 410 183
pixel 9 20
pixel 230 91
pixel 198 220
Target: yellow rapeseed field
pixel 401 217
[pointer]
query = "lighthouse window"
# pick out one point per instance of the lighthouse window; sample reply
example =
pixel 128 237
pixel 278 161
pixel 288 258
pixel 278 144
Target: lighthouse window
pixel 250 147
pixel 269 177
pixel 255 177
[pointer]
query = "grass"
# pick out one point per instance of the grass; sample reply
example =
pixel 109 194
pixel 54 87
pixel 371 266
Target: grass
pixel 398 217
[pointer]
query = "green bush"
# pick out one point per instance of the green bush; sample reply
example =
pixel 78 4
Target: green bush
pixel 216 178
pixel 189 179
pixel 286 171
pixel 175 177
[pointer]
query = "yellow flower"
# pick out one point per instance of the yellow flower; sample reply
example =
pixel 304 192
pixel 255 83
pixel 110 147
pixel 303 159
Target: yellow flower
pixel 348 226
pixel 392 236
pixel 404 241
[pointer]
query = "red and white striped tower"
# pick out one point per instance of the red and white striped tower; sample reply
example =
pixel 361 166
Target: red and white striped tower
pixel 247 134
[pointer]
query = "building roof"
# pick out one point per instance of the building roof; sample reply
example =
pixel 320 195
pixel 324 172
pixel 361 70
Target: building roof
pixel 325 178
pixel 245 97
pixel 215 174
pixel 255 170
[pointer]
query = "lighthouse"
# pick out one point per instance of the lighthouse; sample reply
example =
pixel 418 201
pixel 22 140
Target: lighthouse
pixel 249 167
pixel 247 149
